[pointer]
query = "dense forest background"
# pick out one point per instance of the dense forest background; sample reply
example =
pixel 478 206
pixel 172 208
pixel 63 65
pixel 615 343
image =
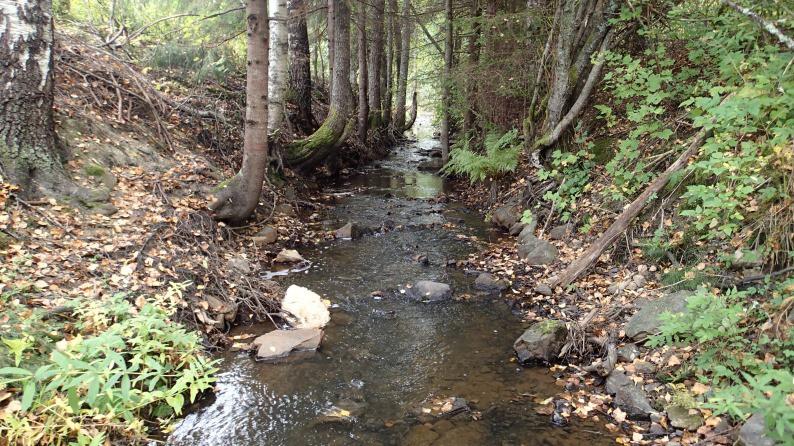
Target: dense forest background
pixel 652 132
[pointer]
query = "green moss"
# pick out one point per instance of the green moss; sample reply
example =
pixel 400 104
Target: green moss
pixel 94 170
pixel 548 326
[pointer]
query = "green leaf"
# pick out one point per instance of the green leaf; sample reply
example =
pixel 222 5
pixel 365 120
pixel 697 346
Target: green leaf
pixel 28 393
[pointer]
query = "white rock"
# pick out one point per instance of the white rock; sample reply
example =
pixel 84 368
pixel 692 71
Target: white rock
pixel 305 308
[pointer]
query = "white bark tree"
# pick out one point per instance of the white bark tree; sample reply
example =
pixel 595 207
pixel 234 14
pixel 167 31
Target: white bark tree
pixel 278 70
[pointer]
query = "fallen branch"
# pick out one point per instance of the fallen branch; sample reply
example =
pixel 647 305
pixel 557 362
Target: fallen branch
pixel 427 33
pixel 632 211
pixel 767 26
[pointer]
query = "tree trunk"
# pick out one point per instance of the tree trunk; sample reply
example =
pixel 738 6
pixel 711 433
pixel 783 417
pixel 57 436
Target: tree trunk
pixel 308 152
pixel 561 87
pixel 392 53
pixel 445 91
pixel 474 60
pixel 363 105
pixel 331 43
pixel 277 81
pixel 402 80
pixel 375 57
pixel 414 108
pixel 300 80
pixel 28 153
pixel 237 200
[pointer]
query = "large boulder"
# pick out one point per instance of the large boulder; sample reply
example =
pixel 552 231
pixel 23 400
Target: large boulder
pixel 429 291
pixel 487 282
pixel 536 251
pixel 504 217
pixel 543 341
pixel 279 343
pixel 646 322
pixel 304 308
pixel 753 432
pixel 629 397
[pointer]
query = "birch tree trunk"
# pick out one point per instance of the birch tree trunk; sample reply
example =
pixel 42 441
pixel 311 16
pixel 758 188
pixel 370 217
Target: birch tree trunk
pixel 300 76
pixel 445 91
pixel 277 81
pixel 28 153
pixel 374 69
pixel 238 199
pixel 402 79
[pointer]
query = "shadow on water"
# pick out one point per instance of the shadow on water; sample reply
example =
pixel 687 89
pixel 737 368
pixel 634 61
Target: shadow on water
pixel 384 358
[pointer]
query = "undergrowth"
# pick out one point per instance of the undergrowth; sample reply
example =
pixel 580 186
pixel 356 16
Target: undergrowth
pixel 501 156
pixel 110 369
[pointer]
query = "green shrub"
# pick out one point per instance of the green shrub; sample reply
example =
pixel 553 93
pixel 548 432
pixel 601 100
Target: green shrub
pixel 501 156
pixel 572 171
pixel 126 365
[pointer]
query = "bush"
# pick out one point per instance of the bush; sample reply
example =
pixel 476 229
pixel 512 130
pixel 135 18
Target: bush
pixel 501 156
pixel 123 366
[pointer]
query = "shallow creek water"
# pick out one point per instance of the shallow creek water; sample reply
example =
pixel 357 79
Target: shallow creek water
pixel 390 356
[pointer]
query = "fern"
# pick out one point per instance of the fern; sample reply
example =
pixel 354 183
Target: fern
pixel 501 155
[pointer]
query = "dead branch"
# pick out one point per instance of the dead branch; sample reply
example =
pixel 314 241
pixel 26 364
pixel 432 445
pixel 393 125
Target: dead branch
pixel 623 221
pixel 767 26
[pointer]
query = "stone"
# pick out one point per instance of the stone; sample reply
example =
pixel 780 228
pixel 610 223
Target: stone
pixel 420 435
pixel 628 352
pixel 348 231
pixel 527 232
pixel 487 282
pixel 753 432
pixel 288 256
pixel 542 341
pixel 516 229
pixel 265 236
pixel 537 252
pixel 683 418
pixel 239 266
pixel 639 279
pixel 504 217
pixel 646 322
pixel 544 289
pixel 304 308
pixel 432 164
pixel 285 209
pixel 560 232
pixel 105 209
pixel 657 429
pixel 429 291
pixel 279 343
pixel 644 367
pixel 629 397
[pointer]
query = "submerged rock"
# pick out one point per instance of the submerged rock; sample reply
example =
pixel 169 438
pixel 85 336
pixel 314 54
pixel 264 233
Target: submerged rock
pixel 543 341
pixel 279 343
pixel 304 308
pixel 487 282
pixel 629 397
pixel 348 231
pixel 646 322
pixel 288 256
pixel 429 291
pixel 536 251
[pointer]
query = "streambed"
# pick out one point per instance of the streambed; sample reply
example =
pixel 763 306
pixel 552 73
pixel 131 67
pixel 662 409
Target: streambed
pixel 385 359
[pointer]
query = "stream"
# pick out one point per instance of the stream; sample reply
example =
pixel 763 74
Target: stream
pixel 384 358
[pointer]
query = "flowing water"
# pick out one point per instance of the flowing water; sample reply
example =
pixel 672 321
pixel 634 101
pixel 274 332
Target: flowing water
pixel 385 358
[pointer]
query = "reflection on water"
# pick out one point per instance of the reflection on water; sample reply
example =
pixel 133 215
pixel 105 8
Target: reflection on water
pixel 388 355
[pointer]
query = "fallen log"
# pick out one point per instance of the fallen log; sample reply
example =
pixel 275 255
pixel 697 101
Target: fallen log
pixel 579 265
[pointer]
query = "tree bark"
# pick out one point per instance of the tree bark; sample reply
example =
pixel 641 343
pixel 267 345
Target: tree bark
pixel 331 43
pixel 363 104
pixel 374 69
pixel 237 200
pixel 561 87
pixel 300 77
pixel 446 98
pixel 307 153
pixel 28 153
pixel 405 57
pixel 277 71
pixel 392 61
pixel 414 109
pixel 474 60
pixel 528 127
